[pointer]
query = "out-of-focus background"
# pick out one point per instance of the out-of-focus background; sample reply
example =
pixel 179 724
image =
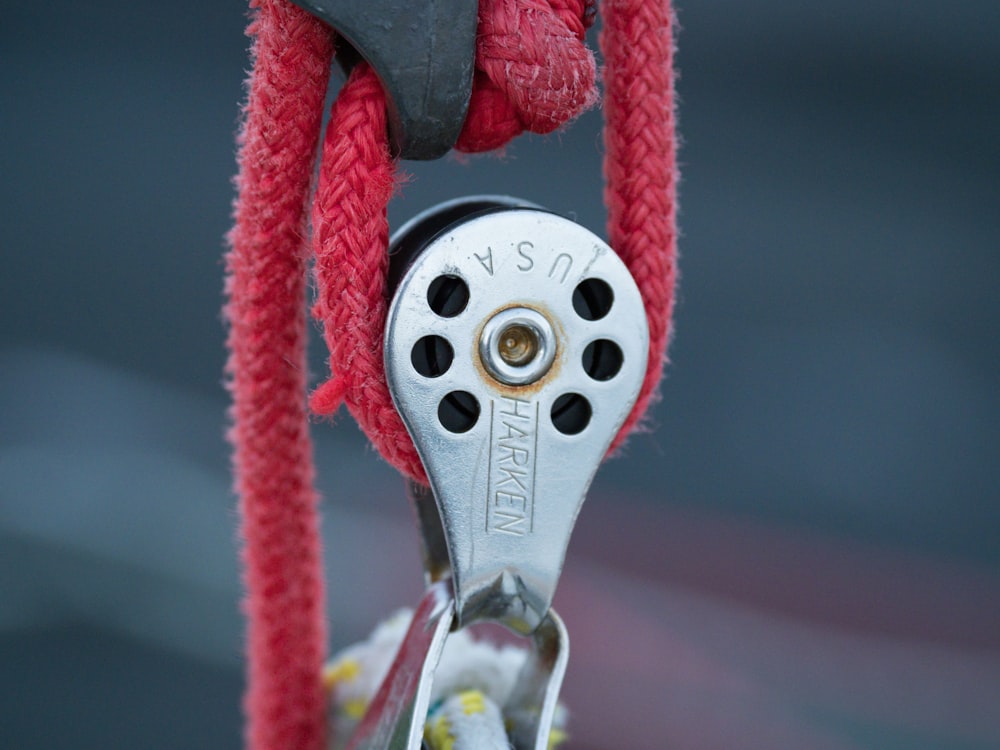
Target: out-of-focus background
pixel 804 554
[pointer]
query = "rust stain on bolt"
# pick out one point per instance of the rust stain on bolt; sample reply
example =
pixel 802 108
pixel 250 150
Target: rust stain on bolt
pixel 528 390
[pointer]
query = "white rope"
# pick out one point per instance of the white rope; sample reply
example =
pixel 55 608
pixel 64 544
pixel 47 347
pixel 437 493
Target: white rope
pixel 472 683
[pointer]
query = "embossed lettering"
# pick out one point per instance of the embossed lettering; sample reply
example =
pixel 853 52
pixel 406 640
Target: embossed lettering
pixel 518 408
pixel 511 500
pixel 553 272
pixel 517 456
pixel 513 435
pixel 509 475
pixel 522 250
pixel 509 523
pixel 486 260
pixel 513 431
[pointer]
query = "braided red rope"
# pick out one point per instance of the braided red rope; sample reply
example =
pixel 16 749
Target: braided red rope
pixel 266 285
pixel 532 72
pixel 640 167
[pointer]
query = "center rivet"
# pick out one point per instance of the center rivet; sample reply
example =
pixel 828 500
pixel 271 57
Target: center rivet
pixel 517 346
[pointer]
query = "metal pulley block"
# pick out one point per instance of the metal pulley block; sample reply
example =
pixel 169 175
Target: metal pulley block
pixel 515 348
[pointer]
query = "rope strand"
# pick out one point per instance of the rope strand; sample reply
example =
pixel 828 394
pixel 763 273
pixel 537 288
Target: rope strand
pixel 266 289
pixel 640 168
pixel 350 237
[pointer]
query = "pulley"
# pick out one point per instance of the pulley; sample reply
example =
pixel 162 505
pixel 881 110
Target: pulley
pixel 515 348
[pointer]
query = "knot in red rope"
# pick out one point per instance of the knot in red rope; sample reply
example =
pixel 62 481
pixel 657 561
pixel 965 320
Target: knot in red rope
pixel 533 71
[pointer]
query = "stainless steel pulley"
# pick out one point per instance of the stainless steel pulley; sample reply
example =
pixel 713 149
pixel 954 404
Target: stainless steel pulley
pixel 515 348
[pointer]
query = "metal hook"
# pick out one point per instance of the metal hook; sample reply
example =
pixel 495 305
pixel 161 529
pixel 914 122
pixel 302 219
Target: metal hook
pixel 423 52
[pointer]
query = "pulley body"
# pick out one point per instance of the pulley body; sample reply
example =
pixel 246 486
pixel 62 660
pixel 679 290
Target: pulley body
pixel 515 348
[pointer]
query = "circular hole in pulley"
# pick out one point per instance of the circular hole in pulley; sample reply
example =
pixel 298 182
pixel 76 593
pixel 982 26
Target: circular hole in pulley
pixel 602 359
pixel 432 356
pixel 448 295
pixel 571 413
pixel 458 411
pixel 592 299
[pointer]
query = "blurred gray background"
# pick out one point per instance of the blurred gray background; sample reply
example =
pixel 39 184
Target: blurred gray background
pixel 804 553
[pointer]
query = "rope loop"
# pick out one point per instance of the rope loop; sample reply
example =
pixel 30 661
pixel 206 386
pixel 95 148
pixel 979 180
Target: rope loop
pixel 533 71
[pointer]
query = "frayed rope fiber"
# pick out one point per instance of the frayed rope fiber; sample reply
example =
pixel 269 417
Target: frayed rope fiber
pixel 533 72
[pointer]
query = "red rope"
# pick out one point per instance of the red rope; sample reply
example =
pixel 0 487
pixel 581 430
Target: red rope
pixel 266 286
pixel 532 72
pixel 350 237
pixel 640 167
